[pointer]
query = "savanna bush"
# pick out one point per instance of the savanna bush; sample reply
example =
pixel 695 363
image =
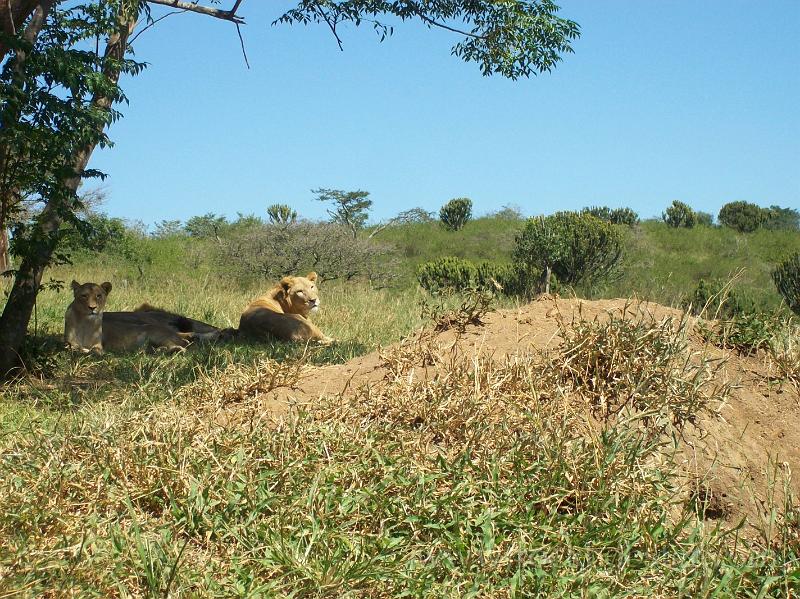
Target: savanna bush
pixel 715 299
pixel 456 213
pixel 579 249
pixel 743 216
pixel 680 215
pixel 617 216
pixel 787 279
pixel 271 251
pixel 457 274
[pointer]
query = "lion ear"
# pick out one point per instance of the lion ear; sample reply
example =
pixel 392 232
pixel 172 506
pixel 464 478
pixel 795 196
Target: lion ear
pixel 312 276
pixel 286 283
pixel 107 287
pixel 75 285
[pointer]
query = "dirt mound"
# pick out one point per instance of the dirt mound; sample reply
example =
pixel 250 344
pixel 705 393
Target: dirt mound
pixel 735 457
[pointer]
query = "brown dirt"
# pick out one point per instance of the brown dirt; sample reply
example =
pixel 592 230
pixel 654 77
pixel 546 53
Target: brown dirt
pixel 731 457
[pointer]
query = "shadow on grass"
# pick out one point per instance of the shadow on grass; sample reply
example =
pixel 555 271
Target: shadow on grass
pixel 62 380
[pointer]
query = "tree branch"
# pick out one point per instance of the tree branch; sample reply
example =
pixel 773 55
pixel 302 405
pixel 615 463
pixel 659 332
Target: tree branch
pixel 225 15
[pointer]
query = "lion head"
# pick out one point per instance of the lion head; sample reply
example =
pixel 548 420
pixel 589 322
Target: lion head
pixel 90 298
pixel 299 295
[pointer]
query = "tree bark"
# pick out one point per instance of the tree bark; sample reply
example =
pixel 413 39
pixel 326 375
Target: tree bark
pixel 21 300
pixel 8 194
pixel 544 282
pixel 13 14
pixel 5 263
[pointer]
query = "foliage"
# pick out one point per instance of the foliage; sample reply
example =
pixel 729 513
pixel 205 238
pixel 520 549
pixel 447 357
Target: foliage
pixel 786 277
pixel 715 299
pixel 745 332
pixel 617 216
pixel 47 115
pixel 281 214
pixel 680 215
pixel 414 215
pixel 704 219
pixel 270 252
pixel 580 249
pixel 456 213
pixel 779 219
pixel 168 228
pixel 743 217
pixel 350 208
pixel 456 274
pixel 209 225
pixel 513 39
pixel 509 212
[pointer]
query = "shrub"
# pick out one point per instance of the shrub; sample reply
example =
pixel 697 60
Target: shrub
pixel 787 279
pixel 456 213
pixel 281 214
pixel 705 219
pixel 779 218
pixel 680 215
pixel 270 252
pixel 617 216
pixel 743 216
pixel 208 225
pixel 577 248
pixel 714 299
pixel 457 274
pixel 624 216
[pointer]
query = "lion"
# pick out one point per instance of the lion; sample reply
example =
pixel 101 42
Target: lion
pixel 283 312
pixel 83 321
pixel 87 327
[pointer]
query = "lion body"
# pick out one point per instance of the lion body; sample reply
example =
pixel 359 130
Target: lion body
pixel 283 312
pixel 87 327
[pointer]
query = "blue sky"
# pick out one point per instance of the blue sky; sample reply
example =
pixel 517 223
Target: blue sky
pixel 697 101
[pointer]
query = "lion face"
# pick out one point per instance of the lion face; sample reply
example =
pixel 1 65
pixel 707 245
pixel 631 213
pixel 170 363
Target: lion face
pixel 90 298
pixel 300 294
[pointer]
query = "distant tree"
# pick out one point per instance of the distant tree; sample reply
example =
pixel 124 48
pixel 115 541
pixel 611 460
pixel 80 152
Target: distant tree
pixel 778 219
pixel 350 208
pixel 705 219
pixel 281 214
pixel 744 217
pixel 787 279
pixel 601 212
pixel 617 216
pixel 208 225
pixel 624 216
pixel 577 248
pixel 509 212
pixel 680 215
pixel 414 215
pixel 168 228
pixel 456 213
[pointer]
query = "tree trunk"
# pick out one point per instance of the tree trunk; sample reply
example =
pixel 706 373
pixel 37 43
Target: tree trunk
pixel 5 263
pixel 13 14
pixel 19 307
pixel 544 282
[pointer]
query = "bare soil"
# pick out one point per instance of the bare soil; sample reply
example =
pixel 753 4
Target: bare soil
pixel 732 458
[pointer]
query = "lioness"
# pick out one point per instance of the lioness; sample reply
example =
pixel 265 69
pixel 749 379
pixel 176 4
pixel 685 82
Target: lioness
pixel 283 312
pixel 83 321
pixel 88 328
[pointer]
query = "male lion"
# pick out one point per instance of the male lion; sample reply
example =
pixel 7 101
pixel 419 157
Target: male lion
pixel 88 328
pixel 283 312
